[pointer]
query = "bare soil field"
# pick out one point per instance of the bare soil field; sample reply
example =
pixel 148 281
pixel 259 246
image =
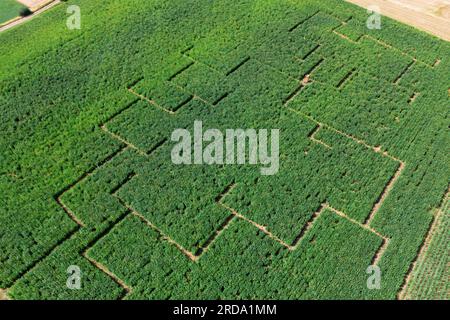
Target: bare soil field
pixel 35 4
pixel 3 295
pixel 432 16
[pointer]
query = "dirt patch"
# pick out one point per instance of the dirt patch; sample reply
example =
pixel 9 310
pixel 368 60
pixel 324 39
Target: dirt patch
pixel 432 16
pixel 3 294
pixel 34 4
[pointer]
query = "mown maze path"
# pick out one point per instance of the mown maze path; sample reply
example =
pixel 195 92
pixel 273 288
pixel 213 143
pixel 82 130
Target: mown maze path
pixel 361 117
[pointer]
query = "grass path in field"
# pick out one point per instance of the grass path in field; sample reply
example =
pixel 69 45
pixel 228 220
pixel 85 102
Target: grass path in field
pixel 9 9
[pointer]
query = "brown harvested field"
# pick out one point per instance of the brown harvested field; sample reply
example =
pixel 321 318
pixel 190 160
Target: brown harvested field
pixel 432 16
pixel 35 4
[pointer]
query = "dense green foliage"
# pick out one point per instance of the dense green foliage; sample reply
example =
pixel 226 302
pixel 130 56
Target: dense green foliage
pixel 86 122
pixel 9 9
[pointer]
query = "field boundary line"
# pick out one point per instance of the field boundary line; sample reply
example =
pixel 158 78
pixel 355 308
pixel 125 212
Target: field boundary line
pixel 7 23
pixel 294 94
pixel 255 224
pixel 349 136
pixel 194 96
pixel 416 16
pixel 192 62
pixel 19 20
pixel 212 238
pixel 423 250
pixel 184 68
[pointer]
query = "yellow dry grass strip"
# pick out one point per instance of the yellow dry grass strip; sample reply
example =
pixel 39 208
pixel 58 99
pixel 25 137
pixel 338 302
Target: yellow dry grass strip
pixel 423 251
pixel 3 295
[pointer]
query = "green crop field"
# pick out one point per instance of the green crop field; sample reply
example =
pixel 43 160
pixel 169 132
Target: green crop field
pixel 86 177
pixel 430 277
pixel 9 9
